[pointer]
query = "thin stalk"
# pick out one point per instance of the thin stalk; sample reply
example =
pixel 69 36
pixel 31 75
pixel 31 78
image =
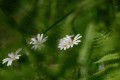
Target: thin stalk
pixel 52 26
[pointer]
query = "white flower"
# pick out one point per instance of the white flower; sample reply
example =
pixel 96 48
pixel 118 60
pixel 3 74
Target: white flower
pixel 37 43
pixel 67 42
pixel 12 57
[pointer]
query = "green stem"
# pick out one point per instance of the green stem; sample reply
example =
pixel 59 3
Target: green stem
pixel 52 26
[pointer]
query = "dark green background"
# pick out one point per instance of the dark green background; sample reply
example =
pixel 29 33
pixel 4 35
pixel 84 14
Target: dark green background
pixel 98 21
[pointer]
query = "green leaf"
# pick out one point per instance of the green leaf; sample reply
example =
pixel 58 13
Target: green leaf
pixel 108 58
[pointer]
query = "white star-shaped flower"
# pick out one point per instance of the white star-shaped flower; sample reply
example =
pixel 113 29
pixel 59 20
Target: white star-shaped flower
pixel 37 43
pixel 12 57
pixel 69 41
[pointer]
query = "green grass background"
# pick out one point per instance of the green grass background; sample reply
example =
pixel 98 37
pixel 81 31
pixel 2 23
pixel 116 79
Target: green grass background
pixel 98 21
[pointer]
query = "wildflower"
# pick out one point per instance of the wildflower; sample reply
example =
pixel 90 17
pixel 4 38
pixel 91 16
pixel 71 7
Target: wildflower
pixel 37 43
pixel 67 42
pixel 12 57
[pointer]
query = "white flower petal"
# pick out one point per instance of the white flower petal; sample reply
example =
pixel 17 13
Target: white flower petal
pixel 41 37
pixel 38 37
pixel 33 39
pixel 17 56
pixel 11 55
pixel 44 39
pixel 18 50
pixel 9 62
pixel 64 48
pixel 5 60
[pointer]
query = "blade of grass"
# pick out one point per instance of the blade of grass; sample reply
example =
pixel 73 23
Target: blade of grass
pixel 52 26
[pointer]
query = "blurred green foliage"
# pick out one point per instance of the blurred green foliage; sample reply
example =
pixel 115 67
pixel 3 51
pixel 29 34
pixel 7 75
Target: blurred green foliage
pixel 95 58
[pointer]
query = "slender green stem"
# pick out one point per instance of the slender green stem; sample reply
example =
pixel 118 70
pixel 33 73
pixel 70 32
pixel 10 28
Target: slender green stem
pixel 52 26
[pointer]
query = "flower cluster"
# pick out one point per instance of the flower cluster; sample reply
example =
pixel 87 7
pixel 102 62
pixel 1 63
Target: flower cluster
pixel 69 41
pixel 38 42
